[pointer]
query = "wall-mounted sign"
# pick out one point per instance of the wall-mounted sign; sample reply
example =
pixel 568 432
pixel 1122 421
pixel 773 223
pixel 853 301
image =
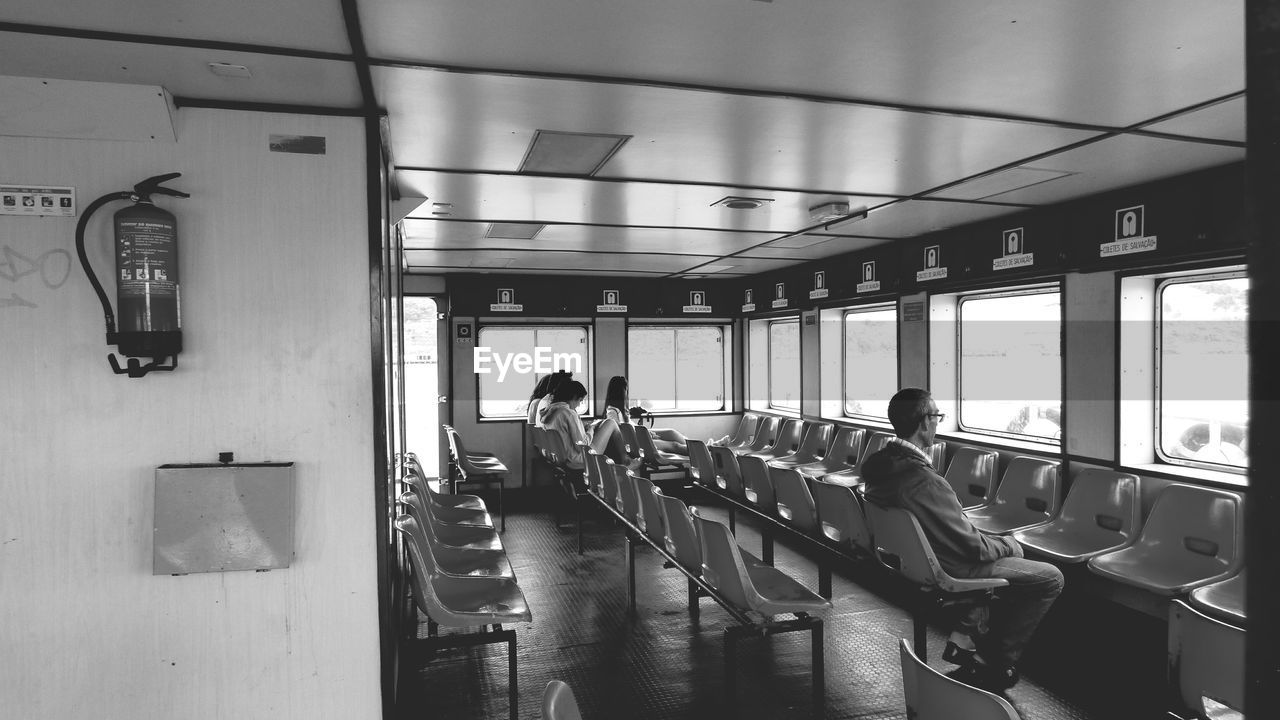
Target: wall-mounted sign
pixel 611 302
pixel 462 334
pixel 1130 234
pixel 912 312
pixel 31 200
pixel 869 282
pixel 748 301
pixel 697 302
pixel 506 302
pixel 819 285
pixel 933 267
pixel 1013 249
pixel 779 295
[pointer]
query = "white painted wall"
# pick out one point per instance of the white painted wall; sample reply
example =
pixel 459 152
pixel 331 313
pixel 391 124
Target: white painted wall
pixel 276 324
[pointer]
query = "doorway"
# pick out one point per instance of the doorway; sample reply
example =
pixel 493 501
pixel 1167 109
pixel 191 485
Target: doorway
pixel 422 362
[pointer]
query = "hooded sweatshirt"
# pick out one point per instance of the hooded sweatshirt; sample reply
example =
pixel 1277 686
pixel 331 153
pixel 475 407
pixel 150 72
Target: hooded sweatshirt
pixel 900 476
pixel 560 417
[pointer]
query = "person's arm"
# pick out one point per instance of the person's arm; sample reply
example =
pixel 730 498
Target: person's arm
pixel 944 523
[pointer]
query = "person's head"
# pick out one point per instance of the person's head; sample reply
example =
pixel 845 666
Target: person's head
pixel 616 395
pixel 570 391
pixel 542 389
pixel 914 415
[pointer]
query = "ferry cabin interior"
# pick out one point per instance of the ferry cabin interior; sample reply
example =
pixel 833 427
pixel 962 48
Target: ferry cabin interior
pixel 719 163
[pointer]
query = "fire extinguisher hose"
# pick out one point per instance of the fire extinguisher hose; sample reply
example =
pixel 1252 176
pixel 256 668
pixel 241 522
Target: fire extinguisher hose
pixel 107 312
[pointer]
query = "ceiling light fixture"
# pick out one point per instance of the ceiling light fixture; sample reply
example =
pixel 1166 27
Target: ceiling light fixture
pixel 228 70
pixel 737 202
pixel 828 211
pixel 859 215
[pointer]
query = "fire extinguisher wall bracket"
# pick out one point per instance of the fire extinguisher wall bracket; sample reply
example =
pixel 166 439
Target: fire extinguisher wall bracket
pixel 148 294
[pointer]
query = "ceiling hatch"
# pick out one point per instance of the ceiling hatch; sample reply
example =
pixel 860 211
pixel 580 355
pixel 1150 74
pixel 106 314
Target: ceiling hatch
pixel 568 153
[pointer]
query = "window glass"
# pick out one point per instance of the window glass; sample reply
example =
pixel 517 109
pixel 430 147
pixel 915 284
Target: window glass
pixel 676 369
pixel 509 361
pixel 1011 363
pixel 870 361
pixel 784 364
pixel 1202 415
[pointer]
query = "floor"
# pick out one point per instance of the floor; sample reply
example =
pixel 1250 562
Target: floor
pixel 1092 659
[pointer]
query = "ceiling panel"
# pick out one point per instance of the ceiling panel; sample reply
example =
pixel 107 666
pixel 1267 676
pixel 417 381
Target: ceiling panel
pixel 1096 61
pixel 1224 121
pixel 826 248
pixel 1120 161
pixel 569 263
pixel 918 217
pixel 523 198
pixel 182 71
pixel 485 122
pixel 745 266
pixel 434 234
pixel 302 24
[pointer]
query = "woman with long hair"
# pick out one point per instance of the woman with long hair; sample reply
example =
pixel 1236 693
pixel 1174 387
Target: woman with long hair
pixel 541 396
pixel 615 408
pixel 562 415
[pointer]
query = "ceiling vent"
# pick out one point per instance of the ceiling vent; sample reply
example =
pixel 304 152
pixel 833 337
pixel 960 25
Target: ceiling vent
pixel 828 211
pixel 514 231
pixel 737 202
pixel 566 153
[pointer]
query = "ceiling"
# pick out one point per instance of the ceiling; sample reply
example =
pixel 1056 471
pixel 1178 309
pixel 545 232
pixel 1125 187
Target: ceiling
pixel 918 116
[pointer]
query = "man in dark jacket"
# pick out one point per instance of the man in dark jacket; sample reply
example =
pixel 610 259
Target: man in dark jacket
pixel 900 475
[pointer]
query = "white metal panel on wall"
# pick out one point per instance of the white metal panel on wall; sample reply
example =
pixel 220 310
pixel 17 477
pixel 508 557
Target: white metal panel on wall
pixel 275 305
pixel 1089 347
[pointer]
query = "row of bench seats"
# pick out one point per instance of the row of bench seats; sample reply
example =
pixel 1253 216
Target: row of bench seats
pixel 459 571
pixel 474 468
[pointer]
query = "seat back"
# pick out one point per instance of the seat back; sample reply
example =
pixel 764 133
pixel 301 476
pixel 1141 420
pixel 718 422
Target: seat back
pixel 722 565
pixel 609 491
pixel 937 453
pixel 629 440
pixel 972 474
pixel 757 486
pixel 648 453
pixel 746 430
pixel 847 446
pixel 701 466
pixel 930 695
pixel 539 440
pixel 558 702
pixel 814 440
pixel 787 440
pixel 795 503
pixel 680 537
pixel 1206 661
pixel 628 494
pixel 1102 504
pixel 901 546
pixel 594 483
pixel 1028 492
pixel 728 474
pixel 421 562
pixel 649 510
pixel 1201 527
pixel 766 435
pixel 840 516
pixel 875 444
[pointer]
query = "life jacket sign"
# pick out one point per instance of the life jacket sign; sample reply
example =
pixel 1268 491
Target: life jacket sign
pixel 1130 234
pixel 1013 244
pixel 779 296
pixel 697 302
pixel 748 301
pixel 611 302
pixel 869 282
pixel 506 302
pixel 933 268
pixel 819 285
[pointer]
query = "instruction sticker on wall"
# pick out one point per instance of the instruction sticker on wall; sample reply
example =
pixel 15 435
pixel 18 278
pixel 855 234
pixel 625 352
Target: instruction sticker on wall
pixel 35 200
pixel 1131 234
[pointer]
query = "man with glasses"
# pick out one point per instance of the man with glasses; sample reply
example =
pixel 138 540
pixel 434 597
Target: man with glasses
pixel 990 640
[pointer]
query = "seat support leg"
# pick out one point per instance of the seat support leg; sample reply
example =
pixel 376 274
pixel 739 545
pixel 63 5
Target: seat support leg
pixel 577 506
pixel 733 521
pixel 631 574
pixel 766 545
pixel 512 689
pixel 730 670
pixel 693 596
pixel 502 505
pixel 819 670
pixel 919 630
pixel 824 581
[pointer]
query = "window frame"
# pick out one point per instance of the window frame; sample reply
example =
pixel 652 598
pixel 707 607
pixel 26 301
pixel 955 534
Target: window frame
pixel 769 323
pixel 1054 287
pixel 726 359
pixel 1163 281
pixel 891 307
pixel 588 362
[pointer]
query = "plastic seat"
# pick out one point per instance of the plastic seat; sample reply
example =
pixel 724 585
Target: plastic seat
pixel 628 495
pixel 608 481
pixel 469 471
pixel 786 442
pixel 1206 663
pixel 853 475
pixel 558 702
pixel 901 546
pixel 840 516
pixel 426 487
pixel 1223 600
pixel 930 695
pixel 701 466
pixel 629 440
pixel 649 509
pixel 728 473
pixel 680 536
pixel 592 473
pixel 746 582
pixel 842 455
pixel 795 503
pixel 457 561
pixel 766 435
pixel 1028 496
pixel 757 486
pixel 470 537
pixel 654 459
pixel 972 474
pixel 1101 514
pixel 1191 538
pixel 746 430
pixel 813 446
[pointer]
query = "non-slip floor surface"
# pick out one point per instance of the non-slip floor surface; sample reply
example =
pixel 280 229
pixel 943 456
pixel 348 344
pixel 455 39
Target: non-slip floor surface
pixel 1091 659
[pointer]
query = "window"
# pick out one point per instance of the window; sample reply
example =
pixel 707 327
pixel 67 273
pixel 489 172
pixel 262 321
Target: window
pixel 870 360
pixel 1202 370
pixel 784 364
pixel 509 361
pixel 1011 363
pixel 677 369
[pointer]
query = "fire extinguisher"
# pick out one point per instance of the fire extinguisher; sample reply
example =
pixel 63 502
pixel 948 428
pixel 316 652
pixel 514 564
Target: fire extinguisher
pixel 148 295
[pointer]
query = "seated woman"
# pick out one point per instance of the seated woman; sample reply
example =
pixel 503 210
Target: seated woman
pixel 615 409
pixel 562 415
pixel 541 396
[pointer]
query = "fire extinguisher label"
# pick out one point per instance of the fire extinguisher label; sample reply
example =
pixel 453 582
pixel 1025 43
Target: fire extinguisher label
pixel 148 263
